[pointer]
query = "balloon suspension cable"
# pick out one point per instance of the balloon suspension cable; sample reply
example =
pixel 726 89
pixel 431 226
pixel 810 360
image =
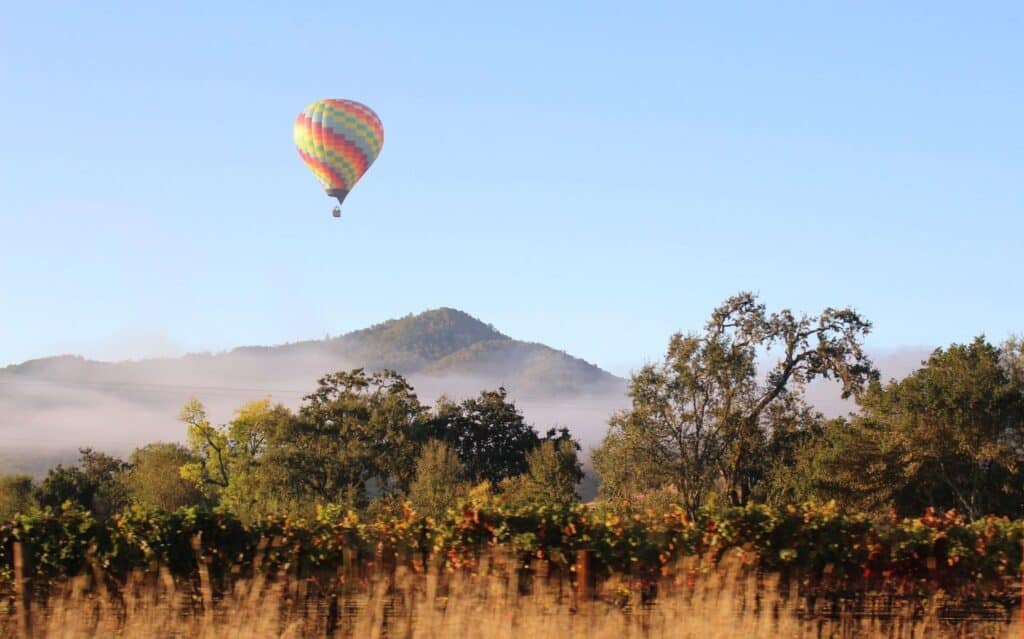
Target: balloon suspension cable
pixel 339 194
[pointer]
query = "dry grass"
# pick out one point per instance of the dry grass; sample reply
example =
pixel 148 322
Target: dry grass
pixel 496 601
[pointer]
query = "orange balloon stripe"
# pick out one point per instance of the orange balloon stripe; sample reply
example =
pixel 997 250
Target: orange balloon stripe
pixel 344 148
pixel 324 171
pixel 353 163
pixel 332 154
pixel 320 166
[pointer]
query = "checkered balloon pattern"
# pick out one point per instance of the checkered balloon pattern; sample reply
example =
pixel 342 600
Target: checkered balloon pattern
pixel 338 140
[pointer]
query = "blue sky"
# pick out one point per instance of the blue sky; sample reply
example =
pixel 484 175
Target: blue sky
pixel 593 176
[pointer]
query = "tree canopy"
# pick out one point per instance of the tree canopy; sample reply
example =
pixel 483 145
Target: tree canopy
pixel 701 420
pixel 359 436
pixel 950 436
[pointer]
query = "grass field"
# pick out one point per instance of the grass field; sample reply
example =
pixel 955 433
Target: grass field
pixel 497 601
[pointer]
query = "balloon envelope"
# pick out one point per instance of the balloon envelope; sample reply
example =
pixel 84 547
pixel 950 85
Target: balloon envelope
pixel 338 140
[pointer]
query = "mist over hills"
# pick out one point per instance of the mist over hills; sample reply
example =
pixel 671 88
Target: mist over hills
pixel 53 405
pixel 69 401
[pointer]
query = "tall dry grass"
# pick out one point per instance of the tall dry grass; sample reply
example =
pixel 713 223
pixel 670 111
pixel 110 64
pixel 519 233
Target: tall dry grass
pixel 498 600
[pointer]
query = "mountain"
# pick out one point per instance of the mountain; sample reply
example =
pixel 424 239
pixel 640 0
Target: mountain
pixel 528 367
pixel 74 401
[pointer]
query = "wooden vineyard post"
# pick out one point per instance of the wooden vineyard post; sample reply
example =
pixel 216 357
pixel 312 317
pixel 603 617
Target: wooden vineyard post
pixel 583 575
pixel 205 587
pixel 541 572
pixel 23 588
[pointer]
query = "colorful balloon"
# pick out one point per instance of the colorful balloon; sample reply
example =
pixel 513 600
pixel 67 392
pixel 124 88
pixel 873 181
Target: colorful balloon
pixel 338 140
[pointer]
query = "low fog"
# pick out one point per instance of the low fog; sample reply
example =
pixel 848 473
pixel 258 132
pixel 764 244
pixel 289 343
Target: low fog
pixel 59 404
pixel 49 408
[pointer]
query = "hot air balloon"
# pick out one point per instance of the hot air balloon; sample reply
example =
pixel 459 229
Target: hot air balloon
pixel 338 140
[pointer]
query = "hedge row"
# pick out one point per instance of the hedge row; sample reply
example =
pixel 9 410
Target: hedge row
pixel 855 551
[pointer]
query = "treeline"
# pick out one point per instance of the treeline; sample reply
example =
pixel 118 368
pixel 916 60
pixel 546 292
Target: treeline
pixel 707 427
pixel 360 441
pixel 710 427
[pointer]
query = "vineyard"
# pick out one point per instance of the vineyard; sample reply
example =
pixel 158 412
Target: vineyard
pixel 809 553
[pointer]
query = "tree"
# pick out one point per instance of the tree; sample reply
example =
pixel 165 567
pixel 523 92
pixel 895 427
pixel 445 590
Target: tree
pixel 15 495
pixel 440 480
pixel 793 426
pixel 488 433
pixel 850 461
pixel 156 481
pixel 238 464
pixel 949 436
pixel 553 474
pixel 97 483
pixel 1011 358
pixel 209 445
pixel 701 418
pixel 353 429
pixel 629 465
pixel 954 430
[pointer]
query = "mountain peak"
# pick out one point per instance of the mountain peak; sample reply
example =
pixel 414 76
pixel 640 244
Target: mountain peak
pixel 442 343
pixel 413 341
pixel 449 320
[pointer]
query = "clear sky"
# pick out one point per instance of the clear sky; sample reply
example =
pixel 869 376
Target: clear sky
pixel 593 176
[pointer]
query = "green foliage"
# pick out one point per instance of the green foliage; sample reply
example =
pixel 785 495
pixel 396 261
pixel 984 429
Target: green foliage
pixel 553 473
pixel 701 420
pixel 98 483
pixel 209 446
pixel 155 479
pixel 488 433
pixel 628 463
pixel 354 428
pixel 357 436
pixel 440 480
pixel 59 541
pixel 15 495
pixel 851 461
pixel 951 434
pixel 239 464
pixel 858 552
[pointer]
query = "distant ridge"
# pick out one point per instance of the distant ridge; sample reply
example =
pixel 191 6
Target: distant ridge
pixel 435 344
pixel 414 342
pixel 531 367
pixel 62 402
pixel 59 403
